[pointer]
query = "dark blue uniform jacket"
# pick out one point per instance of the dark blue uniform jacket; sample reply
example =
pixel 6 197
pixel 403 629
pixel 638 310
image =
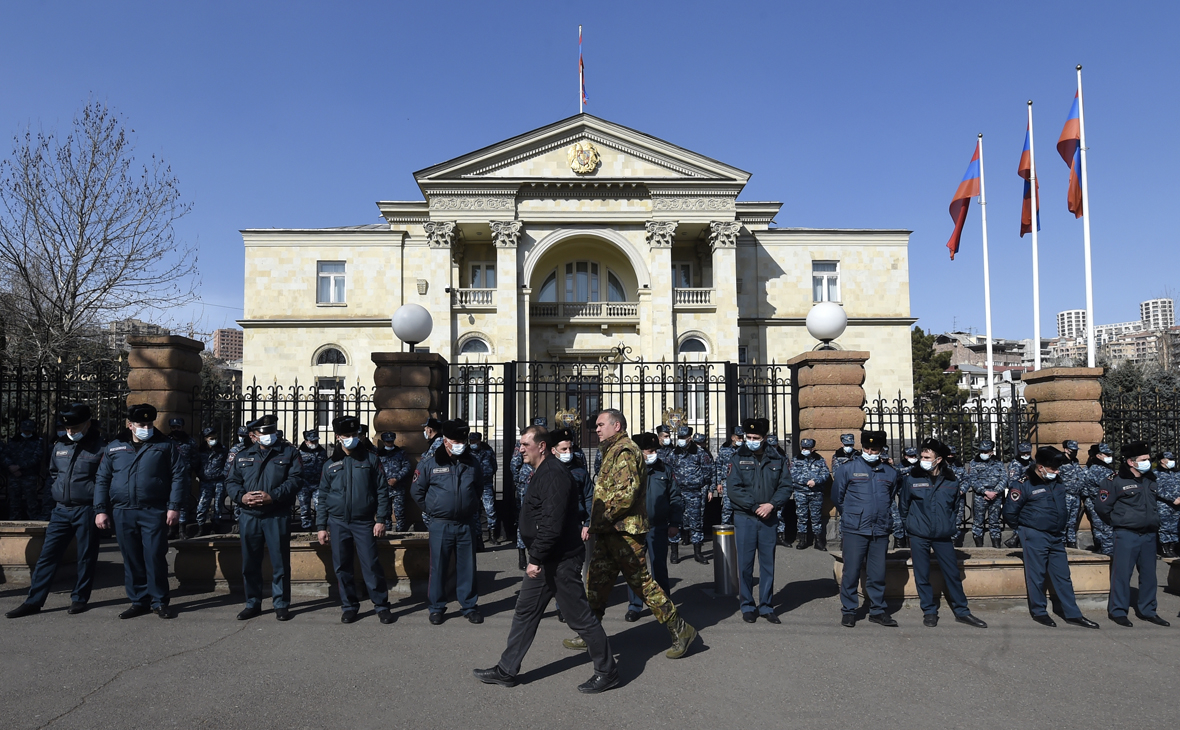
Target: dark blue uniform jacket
pixel 352 488
pixel 756 479
pixel 152 475
pixel 277 470
pixel 1127 502
pixel 863 493
pixel 929 504
pixel 73 468
pixel 665 504
pixel 447 487
pixel 1036 503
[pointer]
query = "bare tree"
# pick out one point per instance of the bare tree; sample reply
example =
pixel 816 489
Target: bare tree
pixel 86 236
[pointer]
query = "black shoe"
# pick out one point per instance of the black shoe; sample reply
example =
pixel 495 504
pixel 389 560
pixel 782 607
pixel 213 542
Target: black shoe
pixel 631 616
pixel 523 558
pixel 821 543
pixel 436 619
pixel 749 617
pixel 848 620
pixel 385 616
pixel 978 540
pixel 1156 620
pixel 1121 620
pixel 599 683
pixel 971 621
pixel 901 543
pixel 560 617
pixel 959 541
pixel 882 618
pixel 930 620
pixel 675 553
pixel 1014 541
pixel 698 555
pixel 77 607
pixel 1082 621
pixel 283 614
pixel 174 532
pixel 804 541
pixel 1045 620
pixel 348 617
pixel 782 540
pixel 163 612
pixel 1072 544
pixel 25 609
pixel 771 618
pixel 995 542
pixel 249 612
pixel 191 531
pixel 1169 550
pixel 475 617
pixel 135 610
pixel 206 529
pixel 495 675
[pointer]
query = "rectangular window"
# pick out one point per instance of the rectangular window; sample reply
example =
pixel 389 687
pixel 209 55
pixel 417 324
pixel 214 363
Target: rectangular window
pixel 483 276
pixel 825 281
pixel 681 275
pixel 330 288
pixel 329 401
pixel 581 281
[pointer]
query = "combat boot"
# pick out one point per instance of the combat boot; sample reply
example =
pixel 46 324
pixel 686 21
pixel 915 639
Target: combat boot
pixel 959 539
pixel 174 532
pixel 978 540
pixel 901 543
pixel 1014 541
pixel 698 555
pixel 996 542
pixel 682 637
pixel 1169 550
pixel 804 541
pixel 781 540
pixel 675 554
pixel 524 558
pixel 821 542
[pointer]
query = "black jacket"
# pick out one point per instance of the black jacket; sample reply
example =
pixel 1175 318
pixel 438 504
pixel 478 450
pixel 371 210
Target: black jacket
pixel 151 473
pixel 1036 503
pixel 550 525
pixel 73 467
pixel 1127 502
pixel 929 504
pixel 584 484
pixel 276 470
pixel 757 479
pixel 665 503
pixel 352 488
pixel 447 487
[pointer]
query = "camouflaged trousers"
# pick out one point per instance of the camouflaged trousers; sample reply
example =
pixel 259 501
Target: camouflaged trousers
pixel 617 551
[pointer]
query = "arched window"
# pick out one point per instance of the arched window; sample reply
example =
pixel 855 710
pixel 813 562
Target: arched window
pixel 548 291
pixel 693 344
pixel 475 346
pixel 331 356
pixel 615 290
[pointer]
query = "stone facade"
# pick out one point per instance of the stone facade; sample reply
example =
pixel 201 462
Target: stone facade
pixel 653 243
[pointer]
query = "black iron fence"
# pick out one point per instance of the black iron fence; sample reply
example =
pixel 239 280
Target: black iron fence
pixel 38 393
pixel 1142 417
pixel 1007 422
pixel 226 406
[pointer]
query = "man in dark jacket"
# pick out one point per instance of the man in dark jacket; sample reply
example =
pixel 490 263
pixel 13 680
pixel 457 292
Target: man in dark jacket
pixel 1038 509
pixel 264 482
pixel 1126 502
pixel 188 453
pixel 665 507
pixel 142 480
pixel 486 456
pixel 551 529
pixel 73 466
pixel 211 458
pixel 928 505
pixel 759 484
pixel 863 490
pixel 447 487
pixel 313 457
pixel 352 507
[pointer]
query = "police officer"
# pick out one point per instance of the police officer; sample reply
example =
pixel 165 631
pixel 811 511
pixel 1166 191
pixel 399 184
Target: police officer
pixel 313 457
pixel 1016 468
pixel 862 491
pixel 353 505
pixel 432 432
pixel 73 466
pixel 1126 502
pixel 928 501
pixel 486 456
pixel 960 471
pixel 724 455
pixel 188 452
pixel 693 467
pixel 23 456
pixel 847 451
pixel 142 481
pixel 1072 476
pixel 396 468
pixel 1167 482
pixel 908 462
pixel 664 434
pixel 242 440
pixel 265 481
pixel 1099 468
pixel 665 509
pixel 986 478
pixel 759 484
pixel 447 487
pixel 809 472
pixel 1036 508
pixel 211 459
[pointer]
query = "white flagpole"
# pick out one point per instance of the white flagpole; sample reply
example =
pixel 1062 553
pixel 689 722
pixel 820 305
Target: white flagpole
pixel 581 81
pixel 1036 265
pixel 1091 346
pixel 987 289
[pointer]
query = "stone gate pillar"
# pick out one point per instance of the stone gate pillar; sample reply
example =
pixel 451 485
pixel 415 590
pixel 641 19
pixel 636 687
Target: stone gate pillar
pixel 828 395
pixel 410 387
pixel 165 372
pixel 1068 406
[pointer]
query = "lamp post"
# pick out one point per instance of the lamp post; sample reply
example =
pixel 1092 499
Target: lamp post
pixel 412 324
pixel 825 322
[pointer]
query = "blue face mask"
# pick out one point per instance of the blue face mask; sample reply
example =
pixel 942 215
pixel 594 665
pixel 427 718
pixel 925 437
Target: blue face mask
pixel 753 445
pixel 351 442
pixel 870 458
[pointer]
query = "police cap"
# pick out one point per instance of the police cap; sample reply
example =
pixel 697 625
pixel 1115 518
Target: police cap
pixel 739 431
pixel 1167 455
pixel 986 445
pixel 142 413
pixel 475 437
pixel 243 431
pixel 208 431
pixel 346 424
pixel 1136 448
pixel 267 424
pixel 662 429
pixel 699 438
pixel 311 435
pixel 456 430
pixel 807 443
pixel 873 439
pixel 756 426
pixel 1105 449
pixel 75 414
pixel 848 439
pixel 541 421
pixel 1024 448
pixel 911 451
pixel 176 422
pixel 388 437
pixel 431 423
pixel 647 441
pixel 772 439
pixel 1050 457
pixel 1070 444
pixel 683 432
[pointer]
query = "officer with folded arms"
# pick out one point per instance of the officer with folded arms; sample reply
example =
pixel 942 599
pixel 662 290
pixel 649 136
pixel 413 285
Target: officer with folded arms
pixel 142 480
pixel 1036 508
pixel 73 466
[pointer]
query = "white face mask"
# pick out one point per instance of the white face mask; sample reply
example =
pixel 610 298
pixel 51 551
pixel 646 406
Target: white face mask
pixel 1025 457
pixel 912 460
pixel 753 445
pixel 927 465
pixel 1107 459
pixel 984 457
pixel 681 443
pixel 1143 466
pixel 143 434
pixel 806 452
pixel 665 442
pixel 426 435
pixel 212 443
pixel 650 459
pixel 1050 475
pixel 870 458
pixel 847 449
pixel 77 436
pixel 268 439
pixel 1169 465
pixel 458 449
pixel 566 458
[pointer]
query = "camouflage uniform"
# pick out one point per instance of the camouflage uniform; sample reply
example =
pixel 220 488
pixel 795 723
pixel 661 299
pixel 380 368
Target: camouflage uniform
pixel 24 491
pixel 665 451
pixel 230 456
pixel 809 500
pixel 903 469
pixel 1167 491
pixel 842 457
pixel 693 469
pixel 724 454
pixel 313 460
pixel 211 471
pixel 960 472
pixel 982 477
pixel 486 456
pixel 1072 476
pixel 396 467
pixel 188 455
pixel 1103 533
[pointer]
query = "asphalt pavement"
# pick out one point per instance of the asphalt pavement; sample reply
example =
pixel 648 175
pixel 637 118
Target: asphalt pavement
pixel 204 669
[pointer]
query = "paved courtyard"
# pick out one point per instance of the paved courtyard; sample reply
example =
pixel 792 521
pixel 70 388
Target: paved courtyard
pixel 206 670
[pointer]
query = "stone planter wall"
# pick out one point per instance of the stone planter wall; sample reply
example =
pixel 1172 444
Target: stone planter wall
pixel 20 546
pixel 165 372
pixel 829 395
pixel 1068 406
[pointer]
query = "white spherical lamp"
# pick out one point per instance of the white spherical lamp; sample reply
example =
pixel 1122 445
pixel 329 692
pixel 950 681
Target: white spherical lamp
pixel 826 321
pixel 412 324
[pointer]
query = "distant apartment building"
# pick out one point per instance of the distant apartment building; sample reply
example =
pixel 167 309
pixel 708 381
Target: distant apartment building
pixel 227 344
pixel 1154 314
pixel 116 333
pixel 971 349
pixel 1071 324
pixel 1137 347
pixel 1104 333
pixel 1157 314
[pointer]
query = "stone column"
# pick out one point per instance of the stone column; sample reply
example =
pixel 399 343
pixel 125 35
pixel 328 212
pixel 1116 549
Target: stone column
pixel 1068 406
pixel 165 373
pixel 442 239
pixel 723 237
pixel 505 236
pixel 663 332
pixel 828 395
pixel 409 388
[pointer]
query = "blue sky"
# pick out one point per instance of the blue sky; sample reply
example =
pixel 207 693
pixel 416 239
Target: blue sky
pixel 858 115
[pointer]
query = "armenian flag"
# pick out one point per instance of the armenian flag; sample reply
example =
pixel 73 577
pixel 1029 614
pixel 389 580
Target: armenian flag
pixel 581 68
pixel 1069 146
pixel 1025 171
pixel 968 188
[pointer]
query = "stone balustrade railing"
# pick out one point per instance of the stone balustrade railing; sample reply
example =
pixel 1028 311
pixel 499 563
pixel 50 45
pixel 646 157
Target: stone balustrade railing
pixel 584 310
pixel 473 297
pixel 692 296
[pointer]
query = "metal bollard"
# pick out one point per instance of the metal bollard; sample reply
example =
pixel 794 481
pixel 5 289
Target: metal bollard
pixel 725 567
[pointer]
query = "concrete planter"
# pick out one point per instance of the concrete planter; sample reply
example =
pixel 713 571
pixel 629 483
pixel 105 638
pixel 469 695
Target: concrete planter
pixel 989 573
pixel 20 546
pixel 215 562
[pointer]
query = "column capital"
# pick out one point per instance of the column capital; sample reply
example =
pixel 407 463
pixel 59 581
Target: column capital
pixel 440 234
pixel 505 234
pixel 660 233
pixel 723 234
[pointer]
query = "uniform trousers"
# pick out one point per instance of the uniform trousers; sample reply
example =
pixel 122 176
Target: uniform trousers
pixel 66 524
pixel 1132 550
pixel 447 538
pixel 657 563
pixel 867 552
pixel 142 533
pixel 755 538
pixel 948 565
pixel 561 579
pixel 354 539
pixel 270 534
pixel 616 552
pixel 1044 555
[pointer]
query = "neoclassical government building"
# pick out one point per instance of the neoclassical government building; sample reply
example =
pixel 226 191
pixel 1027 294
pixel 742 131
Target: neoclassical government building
pixel 560 244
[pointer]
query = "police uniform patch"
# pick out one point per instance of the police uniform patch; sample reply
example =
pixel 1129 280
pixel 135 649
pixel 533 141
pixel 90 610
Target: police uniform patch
pixel 416 473
pixel 1103 495
pixel 441 470
pixel 743 462
pixel 1038 491
pixel 1014 495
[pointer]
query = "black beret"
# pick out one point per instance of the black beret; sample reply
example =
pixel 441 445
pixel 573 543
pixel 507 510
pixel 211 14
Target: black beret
pixel 683 432
pixel 75 414
pixel 873 439
pixel 268 423
pixel 987 445
pixel 756 426
pixel 647 441
pixel 346 424
pixel 208 431
pixel 311 435
pixel 388 437
pixel 456 430
pixel 807 444
pixel 1050 457
pixel 142 413
pixel 1136 448
pixel 938 447
pixel 433 423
